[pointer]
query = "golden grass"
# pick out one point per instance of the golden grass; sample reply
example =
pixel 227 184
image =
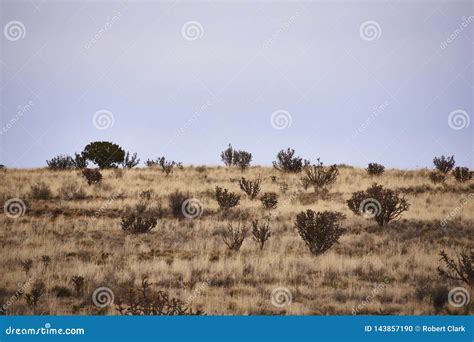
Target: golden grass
pixel 180 255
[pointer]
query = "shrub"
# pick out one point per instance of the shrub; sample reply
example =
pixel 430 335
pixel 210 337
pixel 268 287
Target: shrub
pixel 251 188
pixel 461 269
pixel 375 169
pixel 444 164
pixel 71 191
pixel 130 161
pixel 319 176
pixel 104 154
pixel 165 165
pixel 462 174
pixel 269 200
pixel 320 230
pixel 176 200
pixel 287 162
pixel 61 291
pixel 46 259
pixel 145 301
pixel 384 205
pixel 261 232
pixel 93 176
pixel 242 159
pixel 26 265
pixel 227 156
pixel 37 291
pixel 234 237
pixel 40 191
pixel 134 223
pixel 239 158
pixel 78 284
pixel 226 199
pixel 80 161
pixel 140 219
pixel 437 177
pixel 61 162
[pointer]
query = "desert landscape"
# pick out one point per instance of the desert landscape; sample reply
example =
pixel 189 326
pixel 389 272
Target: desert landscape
pixel 235 239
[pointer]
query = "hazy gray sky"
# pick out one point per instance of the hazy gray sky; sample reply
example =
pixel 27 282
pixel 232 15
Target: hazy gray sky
pixel 350 82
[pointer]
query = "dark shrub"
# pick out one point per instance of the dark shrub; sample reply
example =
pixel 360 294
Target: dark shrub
pixel 261 232
pixel 61 162
pixel 26 265
pixel 438 295
pixel 242 159
pixel 165 165
pixel 384 205
pixel 287 162
pixel 78 284
pixel 145 301
pixel 234 237
pixel 130 161
pixel 375 169
pixel 462 174
pixel 80 161
pixel 319 176
pixel 319 230
pixel 37 291
pixel 437 177
pixel 61 291
pixel 227 156
pixel 444 164
pixel 93 176
pixel 461 269
pixel 269 200
pixel 225 198
pixel 138 223
pixel 104 154
pixel 176 200
pixel 239 158
pixel 251 188
pixel 40 191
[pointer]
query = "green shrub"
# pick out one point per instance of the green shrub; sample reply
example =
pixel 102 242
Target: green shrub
pixel 444 164
pixel 269 200
pixel 93 176
pixel 320 230
pixel 225 198
pixel 375 169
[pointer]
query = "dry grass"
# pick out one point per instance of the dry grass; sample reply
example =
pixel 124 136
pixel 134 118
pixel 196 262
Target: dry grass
pixel 179 256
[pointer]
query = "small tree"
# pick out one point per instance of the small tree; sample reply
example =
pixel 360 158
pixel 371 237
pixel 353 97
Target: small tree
pixel 104 154
pixel 93 176
pixel 461 269
pixel 261 232
pixel 444 164
pixel 287 162
pixel 319 176
pixel 234 237
pixel 251 188
pixel 375 169
pixel 226 199
pixel 462 174
pixel 319 230
pixel 269 200
pixel 130 161
pixel 384 205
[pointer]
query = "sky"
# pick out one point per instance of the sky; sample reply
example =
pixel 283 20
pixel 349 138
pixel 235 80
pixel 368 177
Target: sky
pixel 350 82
